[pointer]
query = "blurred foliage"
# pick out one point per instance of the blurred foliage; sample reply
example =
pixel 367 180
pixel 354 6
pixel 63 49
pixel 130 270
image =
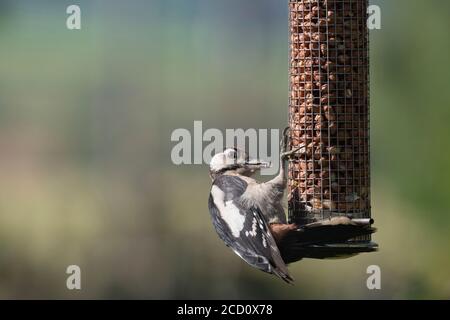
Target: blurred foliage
pixel 85 171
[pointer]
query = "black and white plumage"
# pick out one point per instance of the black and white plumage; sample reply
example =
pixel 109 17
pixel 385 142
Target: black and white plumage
pixel 242 209
pixel 243 228
pixel 249 216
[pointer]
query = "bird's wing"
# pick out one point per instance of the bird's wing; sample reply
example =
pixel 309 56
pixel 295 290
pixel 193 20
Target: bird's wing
pixel 244 228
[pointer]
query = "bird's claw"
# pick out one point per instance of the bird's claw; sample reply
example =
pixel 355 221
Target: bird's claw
pixel 285 139
pixel 290 154
pixel 284 144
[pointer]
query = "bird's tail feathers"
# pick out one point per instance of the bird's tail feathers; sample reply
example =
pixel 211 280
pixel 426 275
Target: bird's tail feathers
pixel 298 243
pixel 285 276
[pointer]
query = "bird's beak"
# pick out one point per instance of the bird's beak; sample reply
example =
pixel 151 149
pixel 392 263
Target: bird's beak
pixel 256 164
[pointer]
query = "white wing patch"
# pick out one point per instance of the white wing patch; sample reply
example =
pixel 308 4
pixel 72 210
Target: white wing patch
pixel 252 233
pixel 264 241
pixel 228 212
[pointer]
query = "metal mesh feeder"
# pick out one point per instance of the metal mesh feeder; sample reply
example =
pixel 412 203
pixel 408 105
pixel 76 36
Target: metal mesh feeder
pixel 329 117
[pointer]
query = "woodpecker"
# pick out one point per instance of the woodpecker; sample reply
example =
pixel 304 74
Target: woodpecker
pixel 249 216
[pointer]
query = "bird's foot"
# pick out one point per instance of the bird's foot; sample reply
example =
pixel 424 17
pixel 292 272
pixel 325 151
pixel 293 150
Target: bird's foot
pixel 290 154
pixel 284 142
pixel 285 153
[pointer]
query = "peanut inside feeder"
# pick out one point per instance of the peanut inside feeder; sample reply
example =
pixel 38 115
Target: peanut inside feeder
pixel 329 110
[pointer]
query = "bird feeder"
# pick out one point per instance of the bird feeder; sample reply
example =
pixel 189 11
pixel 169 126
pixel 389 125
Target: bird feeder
pixel 329 114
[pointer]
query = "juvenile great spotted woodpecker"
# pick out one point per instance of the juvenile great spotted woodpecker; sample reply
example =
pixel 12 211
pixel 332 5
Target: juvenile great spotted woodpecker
pixel 249 216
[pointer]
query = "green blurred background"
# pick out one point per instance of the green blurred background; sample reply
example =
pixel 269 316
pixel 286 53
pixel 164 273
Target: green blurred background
pixel 85 171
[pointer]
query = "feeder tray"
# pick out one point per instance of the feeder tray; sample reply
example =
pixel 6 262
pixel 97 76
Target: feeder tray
pixel 329 118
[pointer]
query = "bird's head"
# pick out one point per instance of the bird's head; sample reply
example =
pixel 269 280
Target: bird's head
pixel 236 160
